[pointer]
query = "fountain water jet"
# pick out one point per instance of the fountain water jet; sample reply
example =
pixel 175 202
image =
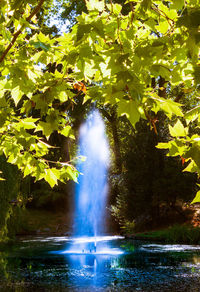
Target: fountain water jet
pixel 89 240
pixel 90 197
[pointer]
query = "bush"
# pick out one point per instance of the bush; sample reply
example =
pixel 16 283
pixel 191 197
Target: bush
pixel 128 227
pixel 186 234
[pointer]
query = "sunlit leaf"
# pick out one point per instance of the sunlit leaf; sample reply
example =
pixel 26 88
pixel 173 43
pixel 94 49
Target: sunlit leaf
pixel 130 109
pixel 197 198
pixel 163 146
pixel 178 130
pixel 95 5
pixel 67 132
pixel 29 123
pixel 16 94
pixel 50 177
pixel 45 128
pixel 72 174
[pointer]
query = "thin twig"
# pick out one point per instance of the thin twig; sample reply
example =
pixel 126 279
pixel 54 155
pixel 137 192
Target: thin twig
pixel 61 163
pixel 162 13
pixel 15 36
pixel 111 6
pixel 132 14
pixel 118 34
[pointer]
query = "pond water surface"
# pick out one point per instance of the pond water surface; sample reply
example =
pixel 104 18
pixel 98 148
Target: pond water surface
pixel 112 264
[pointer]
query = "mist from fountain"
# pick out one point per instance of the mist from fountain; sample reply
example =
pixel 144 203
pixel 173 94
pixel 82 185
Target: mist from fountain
pixel 90 244
pixel 91 191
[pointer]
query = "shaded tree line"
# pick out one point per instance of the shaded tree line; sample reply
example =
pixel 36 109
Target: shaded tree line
pixel 152 189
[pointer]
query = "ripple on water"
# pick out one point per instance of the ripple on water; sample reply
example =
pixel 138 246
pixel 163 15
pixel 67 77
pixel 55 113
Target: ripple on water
pixel 145 267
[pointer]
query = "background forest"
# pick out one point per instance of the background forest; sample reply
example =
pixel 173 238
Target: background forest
pixel 138 63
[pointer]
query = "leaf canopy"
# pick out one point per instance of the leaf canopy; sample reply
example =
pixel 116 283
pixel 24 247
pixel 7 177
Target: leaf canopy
pixel 132 60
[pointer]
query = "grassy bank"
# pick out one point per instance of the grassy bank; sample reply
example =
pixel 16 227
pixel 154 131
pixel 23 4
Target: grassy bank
pixel 43 222
pixel 186 234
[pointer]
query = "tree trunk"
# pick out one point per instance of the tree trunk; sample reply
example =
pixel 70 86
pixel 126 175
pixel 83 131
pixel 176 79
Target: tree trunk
pixel 113 120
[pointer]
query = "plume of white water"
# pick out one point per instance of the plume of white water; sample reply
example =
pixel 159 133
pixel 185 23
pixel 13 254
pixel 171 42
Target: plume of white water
pixel 91 191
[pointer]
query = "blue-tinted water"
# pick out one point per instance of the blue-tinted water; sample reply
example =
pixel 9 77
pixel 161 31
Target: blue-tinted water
pixel 41 264
pixel 91 191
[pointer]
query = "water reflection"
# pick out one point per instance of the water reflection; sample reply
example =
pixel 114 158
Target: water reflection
pixel 141 267
pixel 98 245
pixel 169 247
pixel 90 258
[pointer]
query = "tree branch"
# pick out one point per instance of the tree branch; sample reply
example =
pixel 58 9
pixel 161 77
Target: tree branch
pixel 132 14
pixel 162 13
pixel 15 36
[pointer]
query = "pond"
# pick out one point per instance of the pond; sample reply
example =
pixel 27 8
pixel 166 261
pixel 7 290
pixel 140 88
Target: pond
pixel 113 264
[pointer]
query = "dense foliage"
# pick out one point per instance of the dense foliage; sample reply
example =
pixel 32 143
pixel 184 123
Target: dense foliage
pixel 152 191
pixel 141 57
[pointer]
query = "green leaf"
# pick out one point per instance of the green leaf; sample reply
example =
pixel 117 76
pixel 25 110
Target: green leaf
pixel 72 174
pixel 194 154
pixel 192 115
pixel 81 31
pixel 46 128
pixel 37 56
pixel 95 5
pixel 28 170
pixel 62 96
pixel 31 75
pixel 16 94
pixel 67 132
pixel 178 130
pixel 106 72
pixel 174 149
pixel 3 102
pixel 163 26
pixel 1 178
pixel 168 106
pixel 3 117
pixel 130 109
pixel 115 8
pixel 172 13
pixel 50 177
pixel 192 167
pixel 29 123
pixel 197 198
pixel 43 38
pixel 40 45
pixel 177 4
pixel 162 146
